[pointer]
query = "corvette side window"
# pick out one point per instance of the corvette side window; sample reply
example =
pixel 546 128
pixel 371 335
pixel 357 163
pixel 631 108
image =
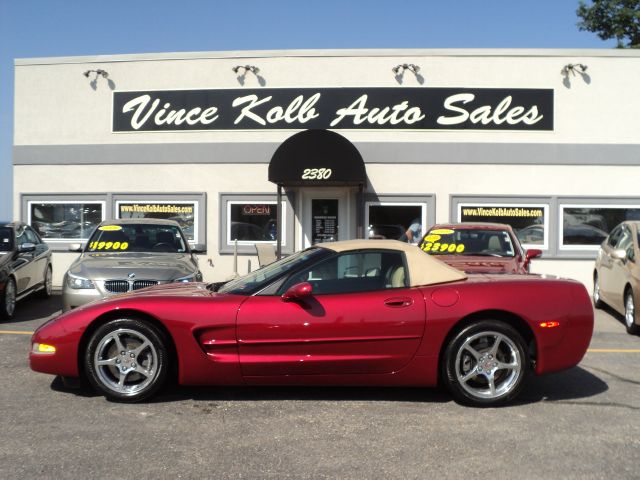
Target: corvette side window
pixel 353 272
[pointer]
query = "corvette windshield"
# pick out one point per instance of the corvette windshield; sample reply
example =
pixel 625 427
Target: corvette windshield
pixel 262 277
pixel 141 237
pixel 468 242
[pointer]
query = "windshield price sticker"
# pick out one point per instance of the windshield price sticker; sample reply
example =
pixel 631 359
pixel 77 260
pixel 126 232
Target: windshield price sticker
pixel 442 247
pixel 108 246
pixel 110 228
pixel 316 173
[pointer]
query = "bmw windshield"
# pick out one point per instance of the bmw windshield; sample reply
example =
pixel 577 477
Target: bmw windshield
pixel 142 237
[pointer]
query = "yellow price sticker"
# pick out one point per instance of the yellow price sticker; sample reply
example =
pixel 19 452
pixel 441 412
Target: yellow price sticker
pixel 110 228
pixel 437 247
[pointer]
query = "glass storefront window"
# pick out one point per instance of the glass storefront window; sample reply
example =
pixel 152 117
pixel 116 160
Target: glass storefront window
pixel 183 212
pixel 397 221
pixel 252 222
pixel 586 226
pixel 65 220
pixel 529 221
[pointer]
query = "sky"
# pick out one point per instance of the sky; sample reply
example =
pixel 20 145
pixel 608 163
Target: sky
pixel 61 28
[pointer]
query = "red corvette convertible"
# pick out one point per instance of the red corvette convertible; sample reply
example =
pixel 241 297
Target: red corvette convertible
pixel 361 312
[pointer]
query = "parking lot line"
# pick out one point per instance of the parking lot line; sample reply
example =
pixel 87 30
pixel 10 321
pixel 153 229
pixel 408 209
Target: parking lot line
pixel 15 332
pixel 613 350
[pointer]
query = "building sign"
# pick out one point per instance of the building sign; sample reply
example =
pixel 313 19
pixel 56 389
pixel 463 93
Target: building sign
pixel 334 108
pixel 182 212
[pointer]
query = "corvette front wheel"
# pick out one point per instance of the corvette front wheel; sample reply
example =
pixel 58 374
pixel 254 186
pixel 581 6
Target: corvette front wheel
pixel 485 364
pixel 126 360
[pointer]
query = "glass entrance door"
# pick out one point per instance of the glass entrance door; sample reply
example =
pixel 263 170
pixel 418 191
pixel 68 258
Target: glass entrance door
pixel 325 220
pixel 326 216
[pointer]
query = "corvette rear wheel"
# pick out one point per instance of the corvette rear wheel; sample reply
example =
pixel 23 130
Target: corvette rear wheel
pixel 126 360
pixel 630 314
pixel 485 364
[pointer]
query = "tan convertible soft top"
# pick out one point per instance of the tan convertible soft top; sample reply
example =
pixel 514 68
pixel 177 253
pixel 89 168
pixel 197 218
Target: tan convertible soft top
pixel 423 268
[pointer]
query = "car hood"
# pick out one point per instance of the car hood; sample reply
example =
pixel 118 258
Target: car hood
pixel 5 257
pixel 472 264
pixel 151 266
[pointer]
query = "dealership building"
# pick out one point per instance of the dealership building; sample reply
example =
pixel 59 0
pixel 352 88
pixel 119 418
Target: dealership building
pixel 331 144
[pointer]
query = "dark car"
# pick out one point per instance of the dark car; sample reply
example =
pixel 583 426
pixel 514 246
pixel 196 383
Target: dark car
pixel 479 247
pixel 25 266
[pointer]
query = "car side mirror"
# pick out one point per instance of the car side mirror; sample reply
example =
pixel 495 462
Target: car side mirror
pixel 199 248
pixel 27 247
pixel 297 292
pixel 619 254
pixel 75 247
pixel 533 253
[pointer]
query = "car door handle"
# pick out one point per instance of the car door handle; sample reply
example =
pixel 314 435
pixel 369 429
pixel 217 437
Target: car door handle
pixel 398 302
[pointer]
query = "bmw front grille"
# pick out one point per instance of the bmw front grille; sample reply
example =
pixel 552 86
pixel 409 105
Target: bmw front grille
pixel 122 286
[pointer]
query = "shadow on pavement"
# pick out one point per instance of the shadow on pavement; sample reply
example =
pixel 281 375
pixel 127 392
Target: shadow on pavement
pixel 35 308
pixel 571 385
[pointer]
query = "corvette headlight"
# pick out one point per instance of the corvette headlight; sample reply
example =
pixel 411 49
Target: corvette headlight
pixel 43 348
pixel 194 277
pixel 78 283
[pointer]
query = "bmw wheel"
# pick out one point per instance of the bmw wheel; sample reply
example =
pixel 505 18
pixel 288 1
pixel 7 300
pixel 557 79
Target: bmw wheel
pixel 630 314
pixel 485 364
pixel 8 300
pixel 126 360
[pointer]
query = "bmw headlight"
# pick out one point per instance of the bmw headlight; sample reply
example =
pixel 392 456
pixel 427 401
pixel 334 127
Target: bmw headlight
pixel 78 283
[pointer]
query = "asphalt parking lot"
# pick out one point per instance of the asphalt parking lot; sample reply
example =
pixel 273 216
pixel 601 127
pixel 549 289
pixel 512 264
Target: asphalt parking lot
pixel 582 423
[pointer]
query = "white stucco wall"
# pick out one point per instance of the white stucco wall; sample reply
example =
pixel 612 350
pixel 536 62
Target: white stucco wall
pixel 56 105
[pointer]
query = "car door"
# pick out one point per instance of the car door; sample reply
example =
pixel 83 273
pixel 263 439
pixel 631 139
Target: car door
pixel 619 270
pixel 23 264
pixel 359 319
pixel 40 256
pixel 606 263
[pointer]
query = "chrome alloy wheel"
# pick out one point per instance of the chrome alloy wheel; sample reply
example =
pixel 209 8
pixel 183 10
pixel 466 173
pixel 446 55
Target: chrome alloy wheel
pixel 629 311
pixel 48 282
pixel 126 361
pixel 488 365
pixel 596 292
pixel 10 298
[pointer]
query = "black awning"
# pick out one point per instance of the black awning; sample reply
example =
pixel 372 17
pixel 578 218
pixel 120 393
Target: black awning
pixel 317 157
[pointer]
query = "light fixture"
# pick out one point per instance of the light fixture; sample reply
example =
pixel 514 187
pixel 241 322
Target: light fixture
pixel 98 72
pixel 399 70
pixel 246 68
pixel 573 68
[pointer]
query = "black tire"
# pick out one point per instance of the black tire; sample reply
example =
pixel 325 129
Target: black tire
pixel 597 298
pixel 8 300
pixel 134 360
pixel 481 355
pixel 47 285
pixel 630 314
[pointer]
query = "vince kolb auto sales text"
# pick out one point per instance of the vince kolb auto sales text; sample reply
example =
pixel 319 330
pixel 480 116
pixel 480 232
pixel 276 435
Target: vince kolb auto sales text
pixel 333 108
